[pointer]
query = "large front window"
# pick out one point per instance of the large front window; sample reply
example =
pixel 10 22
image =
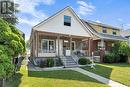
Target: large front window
pixel 48 46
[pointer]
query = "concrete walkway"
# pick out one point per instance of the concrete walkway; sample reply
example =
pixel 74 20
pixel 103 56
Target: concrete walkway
pixel 99 78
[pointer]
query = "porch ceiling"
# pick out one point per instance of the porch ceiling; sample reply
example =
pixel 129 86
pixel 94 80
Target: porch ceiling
pixel 61 35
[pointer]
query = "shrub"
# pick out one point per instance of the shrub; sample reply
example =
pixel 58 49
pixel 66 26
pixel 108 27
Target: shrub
pixel 58 62
pixel 123 58
pixel 117 58
pixel 41 64
pixel 121 51
pixel 50 62
pixel 84 61
pixel 109 58
pixel 6 67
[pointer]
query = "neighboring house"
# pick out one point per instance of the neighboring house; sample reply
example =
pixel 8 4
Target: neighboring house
pixel 104 36
pixel 126 34
pixel 65 34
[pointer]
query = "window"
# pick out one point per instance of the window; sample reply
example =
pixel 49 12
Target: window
pixel 67 20
pixel 104 30
pixel 114 32
pixel 48 46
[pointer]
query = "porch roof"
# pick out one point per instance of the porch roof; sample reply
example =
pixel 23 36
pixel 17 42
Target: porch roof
pixel 112 37
pixel 60 35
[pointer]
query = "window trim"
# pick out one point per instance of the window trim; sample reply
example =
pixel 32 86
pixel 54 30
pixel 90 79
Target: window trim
pixel 47 51
pixel 67 23
pixel 104 28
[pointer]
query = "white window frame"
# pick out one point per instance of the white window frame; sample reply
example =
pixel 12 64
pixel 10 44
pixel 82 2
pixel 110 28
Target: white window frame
pixel 47 51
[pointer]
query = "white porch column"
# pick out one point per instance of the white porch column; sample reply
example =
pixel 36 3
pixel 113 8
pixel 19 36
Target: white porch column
pixel 70 45
pixel 89 46
pixel 102 43
pixel 37 43
pixel 58 40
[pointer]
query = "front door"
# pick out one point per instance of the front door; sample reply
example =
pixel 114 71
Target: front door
pixel 66 48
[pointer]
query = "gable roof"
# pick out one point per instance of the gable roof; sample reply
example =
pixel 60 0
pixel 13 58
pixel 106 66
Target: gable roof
pixel 104 36
pixel 59 12
pixel 103 25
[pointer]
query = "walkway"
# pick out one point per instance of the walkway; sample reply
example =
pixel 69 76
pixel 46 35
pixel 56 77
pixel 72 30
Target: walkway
pixel 99 78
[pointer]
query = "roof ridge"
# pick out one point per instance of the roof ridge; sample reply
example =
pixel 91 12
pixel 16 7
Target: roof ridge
pixel 102 24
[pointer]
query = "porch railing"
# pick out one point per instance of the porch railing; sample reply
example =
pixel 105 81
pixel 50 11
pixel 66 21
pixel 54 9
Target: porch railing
pixel 75 57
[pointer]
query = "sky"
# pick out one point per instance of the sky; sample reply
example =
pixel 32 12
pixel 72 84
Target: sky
pixel 111 12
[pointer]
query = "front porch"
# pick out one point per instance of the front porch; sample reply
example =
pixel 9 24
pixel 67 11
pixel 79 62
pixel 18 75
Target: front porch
pixel 46 44
pixel 103 43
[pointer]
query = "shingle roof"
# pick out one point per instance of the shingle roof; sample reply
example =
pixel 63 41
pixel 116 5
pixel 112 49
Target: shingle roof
pixel 101 35
pixel 112 37
pixel 103 25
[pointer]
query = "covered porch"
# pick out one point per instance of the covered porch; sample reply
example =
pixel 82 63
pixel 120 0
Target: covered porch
pixel 47 44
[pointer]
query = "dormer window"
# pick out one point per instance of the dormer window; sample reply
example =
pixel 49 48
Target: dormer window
pixel 104 30
pixel 67 20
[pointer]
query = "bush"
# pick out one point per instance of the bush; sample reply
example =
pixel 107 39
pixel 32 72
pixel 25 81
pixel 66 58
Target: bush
pixel 117 58
pixel 123 58
pixel 109 58
pixel 58 62
pixel 42 64
pixel 50 62
pixel 84 61
pixel 121 51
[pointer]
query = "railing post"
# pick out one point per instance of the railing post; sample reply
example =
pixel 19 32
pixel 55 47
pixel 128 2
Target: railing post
pixel 70 45
pixel 58 37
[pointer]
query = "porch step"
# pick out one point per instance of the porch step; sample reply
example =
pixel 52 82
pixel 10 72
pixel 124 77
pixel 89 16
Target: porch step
pixel 68 61
pixel 70 66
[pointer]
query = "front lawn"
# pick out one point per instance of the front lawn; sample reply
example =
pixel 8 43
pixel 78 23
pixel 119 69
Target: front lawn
pixel 118 72
pixel 61 78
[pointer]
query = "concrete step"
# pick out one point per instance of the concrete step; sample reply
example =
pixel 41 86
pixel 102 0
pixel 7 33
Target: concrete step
pixel 69 62
pixel 70 66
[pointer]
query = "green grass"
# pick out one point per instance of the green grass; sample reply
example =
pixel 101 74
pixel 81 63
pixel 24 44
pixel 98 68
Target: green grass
pixel 118 72
pixel 60 78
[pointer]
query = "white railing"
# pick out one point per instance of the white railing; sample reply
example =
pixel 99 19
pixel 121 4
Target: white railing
pixel 75 57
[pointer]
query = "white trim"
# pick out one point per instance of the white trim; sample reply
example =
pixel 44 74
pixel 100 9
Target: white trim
pixel 47 44
pixel 72 11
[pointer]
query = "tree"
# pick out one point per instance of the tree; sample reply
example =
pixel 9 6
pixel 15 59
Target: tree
pixel 11 45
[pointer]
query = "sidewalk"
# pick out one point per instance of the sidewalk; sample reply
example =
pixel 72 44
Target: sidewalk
pixel 99 78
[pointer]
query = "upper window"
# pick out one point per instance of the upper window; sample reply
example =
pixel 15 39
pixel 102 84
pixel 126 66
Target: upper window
pixel 67 20
pixel 114 33
pixel 104 30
